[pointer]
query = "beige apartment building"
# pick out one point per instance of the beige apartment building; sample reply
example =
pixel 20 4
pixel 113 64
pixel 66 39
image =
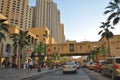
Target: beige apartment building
pixel 72 48
pixel 114 44
pixel 7 49
pixel 43 34
pixel 47 15
pixel 36 35
pixel 18 12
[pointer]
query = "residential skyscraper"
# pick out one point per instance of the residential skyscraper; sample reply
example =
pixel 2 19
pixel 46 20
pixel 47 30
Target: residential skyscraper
pixel 18 12
pixel 47 15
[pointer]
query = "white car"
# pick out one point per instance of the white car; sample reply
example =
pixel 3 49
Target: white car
pixel 70 67
pixel 77 64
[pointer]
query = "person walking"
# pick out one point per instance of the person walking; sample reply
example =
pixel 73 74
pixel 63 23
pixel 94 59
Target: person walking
pixel 31 64
pixel 24 66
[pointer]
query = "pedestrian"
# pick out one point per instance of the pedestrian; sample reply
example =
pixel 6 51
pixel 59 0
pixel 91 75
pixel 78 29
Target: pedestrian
pixel 24 66
pixel 3 63
pixel 31 64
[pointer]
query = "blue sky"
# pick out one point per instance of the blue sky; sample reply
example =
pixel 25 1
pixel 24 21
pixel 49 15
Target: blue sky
pixel 82 18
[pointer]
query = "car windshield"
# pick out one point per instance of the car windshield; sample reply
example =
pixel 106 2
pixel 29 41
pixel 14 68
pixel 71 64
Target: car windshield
pixel 70 63
pixel 118 60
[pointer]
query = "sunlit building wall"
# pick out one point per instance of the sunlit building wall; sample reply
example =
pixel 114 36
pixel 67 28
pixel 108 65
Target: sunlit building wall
pixel 18 12
pixel 47 15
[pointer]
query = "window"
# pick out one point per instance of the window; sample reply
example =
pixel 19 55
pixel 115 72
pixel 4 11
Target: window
pixel 109 61
pixel 80 47
pixel 89 46
pixel 71 47
pixel 118 60
pixel 54 48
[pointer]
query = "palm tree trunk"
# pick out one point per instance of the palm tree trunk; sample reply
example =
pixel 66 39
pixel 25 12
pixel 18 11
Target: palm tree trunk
pixel 108 47
pixel 18 55
pixel 1 55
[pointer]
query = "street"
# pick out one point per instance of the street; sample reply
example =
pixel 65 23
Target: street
pixel 82 74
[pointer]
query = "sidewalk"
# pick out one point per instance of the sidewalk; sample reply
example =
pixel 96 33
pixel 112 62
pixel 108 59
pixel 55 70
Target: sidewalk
pixel 14 74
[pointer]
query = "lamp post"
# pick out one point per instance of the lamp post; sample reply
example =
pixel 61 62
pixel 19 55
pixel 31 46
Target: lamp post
pixel 44 46
pixel 39 57
pixel 44 38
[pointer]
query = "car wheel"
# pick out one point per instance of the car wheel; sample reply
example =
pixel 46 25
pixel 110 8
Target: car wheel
pixel 102 72
pixel 63 72
pixel 75 71
pixel 113 77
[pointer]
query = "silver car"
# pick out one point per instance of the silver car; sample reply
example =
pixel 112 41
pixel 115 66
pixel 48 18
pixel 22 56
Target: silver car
pixel 69 67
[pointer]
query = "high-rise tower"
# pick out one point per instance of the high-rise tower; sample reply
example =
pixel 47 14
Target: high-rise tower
pixel 18 12
pixel 47 15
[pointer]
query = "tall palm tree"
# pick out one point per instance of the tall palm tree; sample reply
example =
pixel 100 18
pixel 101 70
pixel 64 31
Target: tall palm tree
pixel 20 41
pixel 105 32
pixel 95 53
pixel 114 9
pixel 3 28
pixel 104 52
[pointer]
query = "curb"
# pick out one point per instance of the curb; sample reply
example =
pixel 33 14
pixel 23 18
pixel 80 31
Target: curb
pixel 38 75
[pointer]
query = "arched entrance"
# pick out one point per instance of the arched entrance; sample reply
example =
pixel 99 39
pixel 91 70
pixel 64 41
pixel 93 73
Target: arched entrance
pixel 7 55
pixel 8 49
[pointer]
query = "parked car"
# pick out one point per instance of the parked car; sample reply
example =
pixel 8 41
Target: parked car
pixel 91 65
pixel 77 65
pixel 86 64
pixel 112 68
pixel 69 67
pixel 98 67
pixel 83 64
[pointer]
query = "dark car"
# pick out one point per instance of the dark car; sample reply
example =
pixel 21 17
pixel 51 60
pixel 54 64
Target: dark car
pixel 99 65
pixel 112 68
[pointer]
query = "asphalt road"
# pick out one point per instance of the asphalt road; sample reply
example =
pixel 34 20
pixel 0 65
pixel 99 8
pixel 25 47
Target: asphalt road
pixel 82 74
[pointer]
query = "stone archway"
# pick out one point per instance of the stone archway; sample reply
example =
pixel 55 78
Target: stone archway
pixel 8 50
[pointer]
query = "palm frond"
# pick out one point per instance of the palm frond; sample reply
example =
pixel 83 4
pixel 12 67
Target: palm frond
pixel 116 20
pixel 2 36
pixel 112 16
pixel 111 3
pixel 102 26
pixel 100 32
pixel 109 7
pixel 4 27
pixel 104 34
pixel 117 1
pixel 2 20
pixel 108 11
pixel 112 27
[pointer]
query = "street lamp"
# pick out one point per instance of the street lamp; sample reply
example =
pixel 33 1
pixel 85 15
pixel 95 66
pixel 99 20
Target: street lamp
pixel 44 46
pixel 39 57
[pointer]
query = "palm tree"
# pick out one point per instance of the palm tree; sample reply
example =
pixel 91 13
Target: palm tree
pixel 3 28
pixel 94 55
pixel 114 9
pixel 106 33
pixel 20 41
pixel 104 52
pixel 97 51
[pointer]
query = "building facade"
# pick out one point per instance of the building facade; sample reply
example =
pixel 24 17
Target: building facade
pixel 18 12
pixel 47 15
pixel 43 34
pixel 85 48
